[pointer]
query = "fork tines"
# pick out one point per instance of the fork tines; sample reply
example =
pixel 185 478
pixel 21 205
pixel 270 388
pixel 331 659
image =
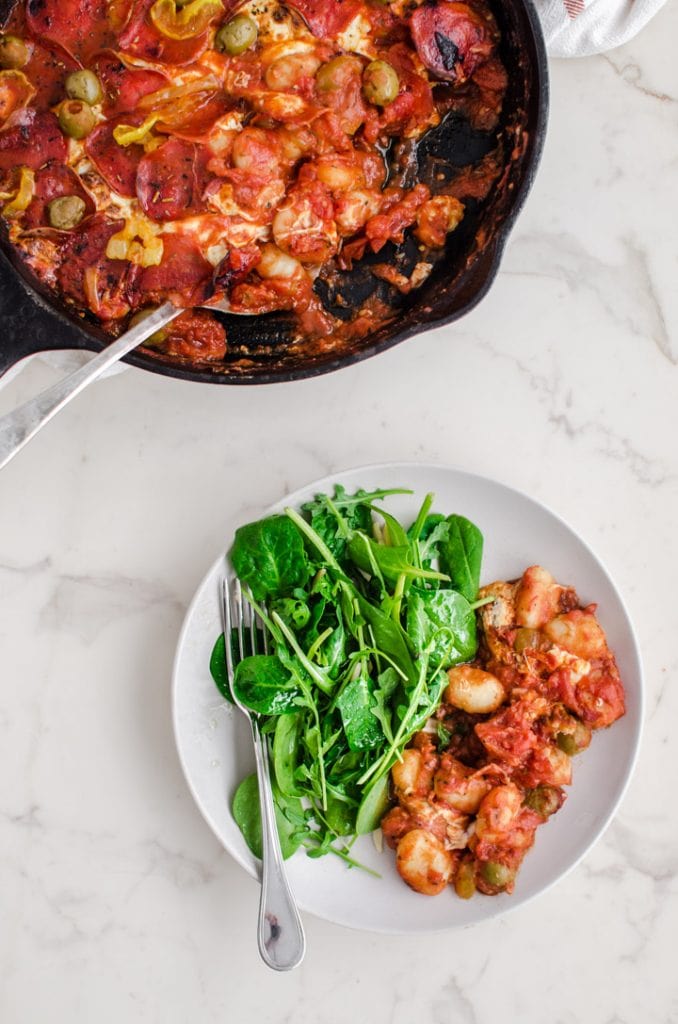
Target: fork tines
pixel 244 632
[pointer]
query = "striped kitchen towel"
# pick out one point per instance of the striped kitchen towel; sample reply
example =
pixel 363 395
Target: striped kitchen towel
pixel 578 28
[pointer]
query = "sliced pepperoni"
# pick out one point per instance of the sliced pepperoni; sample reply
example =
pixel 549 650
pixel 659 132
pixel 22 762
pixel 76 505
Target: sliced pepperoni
pixel 117 164
pixel 235 267
pixel 90 279
pixel 451 39
pixel 170 182
pixel 81 27
pixel 16 92
pixel 52 181
pixel 142 39
pixel 123 87
pixel 47 71
pixel 183 275
pixel 31 138
pixel 327 20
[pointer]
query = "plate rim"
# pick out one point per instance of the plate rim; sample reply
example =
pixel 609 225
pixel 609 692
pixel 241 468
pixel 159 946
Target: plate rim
pixel 636 739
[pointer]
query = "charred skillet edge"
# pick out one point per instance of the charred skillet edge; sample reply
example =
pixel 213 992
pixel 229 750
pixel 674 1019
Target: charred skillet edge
pixel 31 324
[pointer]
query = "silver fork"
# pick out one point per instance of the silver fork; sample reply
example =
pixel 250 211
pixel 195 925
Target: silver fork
pixel 20 425
pixel 280 933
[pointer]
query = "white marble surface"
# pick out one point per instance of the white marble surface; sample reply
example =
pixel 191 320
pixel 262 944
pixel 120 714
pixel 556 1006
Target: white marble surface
pixel 117 902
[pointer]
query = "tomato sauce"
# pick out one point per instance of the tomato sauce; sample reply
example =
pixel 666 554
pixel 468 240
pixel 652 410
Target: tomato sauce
pixel 151 151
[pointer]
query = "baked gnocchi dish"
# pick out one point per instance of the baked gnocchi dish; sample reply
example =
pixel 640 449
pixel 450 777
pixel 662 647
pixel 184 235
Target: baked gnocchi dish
pixel 493 764
pixel 195 149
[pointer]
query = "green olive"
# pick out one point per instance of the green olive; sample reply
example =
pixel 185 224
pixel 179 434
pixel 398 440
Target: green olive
pixel 336 72
pixel 464 880
pixel 380 83
pixel 545 800
pixel 76 118
pixel 567 743
pixel 496 874
pixel 14 52
pixel 66 212
pixel 237 36
pixel 84 85
pixel 154 340
pixel 574 741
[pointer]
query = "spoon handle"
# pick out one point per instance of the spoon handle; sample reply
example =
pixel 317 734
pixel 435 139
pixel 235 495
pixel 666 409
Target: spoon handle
pixel 281 938
pixel 20 425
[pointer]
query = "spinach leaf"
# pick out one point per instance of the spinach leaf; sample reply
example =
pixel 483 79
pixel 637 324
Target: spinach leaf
pixel 247 814
pixel 269 557
pixel 389 637
pixel 392 562
pixel 373 806
pixel 218 668
pixel 367 553
pixel 395 535
pixel 355 703
pixel 264 685
pixel 460 555
pixel 442 623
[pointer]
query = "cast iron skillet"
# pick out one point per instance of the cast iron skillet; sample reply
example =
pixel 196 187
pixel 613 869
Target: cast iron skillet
pixel 260 348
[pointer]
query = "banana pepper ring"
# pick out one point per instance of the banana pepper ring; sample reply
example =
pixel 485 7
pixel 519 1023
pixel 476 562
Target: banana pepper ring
pixel 187 22
pixel 137 242
pixel 20 200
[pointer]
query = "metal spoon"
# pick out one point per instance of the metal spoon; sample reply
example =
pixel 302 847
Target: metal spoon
pixel 19 426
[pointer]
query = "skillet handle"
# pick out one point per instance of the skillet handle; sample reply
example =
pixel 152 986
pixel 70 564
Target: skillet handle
pixel 19 426
pixel 29 324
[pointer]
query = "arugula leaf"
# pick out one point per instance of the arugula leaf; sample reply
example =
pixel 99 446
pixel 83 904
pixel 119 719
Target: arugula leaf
pixel 387 684
pixel 331 654
pixel 340 816
pixel 444 735
pixel 442 623
pixel 292 610
pixel 264 685
pixel 334 520
pixel 355 703
pixel 269 557
pixel 433 533
pixel 460 555
pixel 286 739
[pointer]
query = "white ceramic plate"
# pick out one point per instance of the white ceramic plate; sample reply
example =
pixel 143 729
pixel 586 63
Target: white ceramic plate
pixel 215 747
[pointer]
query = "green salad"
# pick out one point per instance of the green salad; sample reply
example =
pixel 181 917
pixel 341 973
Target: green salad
pixel 364 614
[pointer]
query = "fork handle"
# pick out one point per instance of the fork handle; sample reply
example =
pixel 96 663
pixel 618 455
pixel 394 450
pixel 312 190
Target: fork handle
pixel 281 938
